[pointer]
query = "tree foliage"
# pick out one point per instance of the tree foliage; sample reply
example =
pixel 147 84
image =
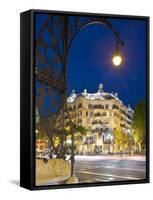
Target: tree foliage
pixel 47 127
pixel 139 123
pixel 39 136
pixel 120 138
pixel 81 129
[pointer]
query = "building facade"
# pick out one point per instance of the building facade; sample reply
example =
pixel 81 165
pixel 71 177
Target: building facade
pixel 101 113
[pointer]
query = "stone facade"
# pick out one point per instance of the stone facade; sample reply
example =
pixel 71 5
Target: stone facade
pixel 100 113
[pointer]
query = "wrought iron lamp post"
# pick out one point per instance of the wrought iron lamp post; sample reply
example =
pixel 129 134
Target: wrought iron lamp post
pixel 51 72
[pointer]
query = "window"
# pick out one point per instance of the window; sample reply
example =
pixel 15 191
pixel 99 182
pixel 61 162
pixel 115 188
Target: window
pixel 88 121
pixel 91 114
pixel 107 106
pixel 94 122
pixel 115 107
pixel 115 114
pixel 104 114
pixel 97 129
pixel 86 113
pixel 98 106
pixel 90 106
pixel 102 107
pixel 80 113
pixel 80 105
pixel 97 114
pixel 67 123
pixel 70 109
pixel 79 121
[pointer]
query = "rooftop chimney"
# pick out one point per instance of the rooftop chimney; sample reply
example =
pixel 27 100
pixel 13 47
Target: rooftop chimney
pixel 100 89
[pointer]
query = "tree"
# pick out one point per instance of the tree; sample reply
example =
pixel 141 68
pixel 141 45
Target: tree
pixel 39 136
pixel 47 127
pixel 139 124
pixel 81 129
pixel 120 139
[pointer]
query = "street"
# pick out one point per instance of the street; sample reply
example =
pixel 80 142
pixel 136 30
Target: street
pixel 109 168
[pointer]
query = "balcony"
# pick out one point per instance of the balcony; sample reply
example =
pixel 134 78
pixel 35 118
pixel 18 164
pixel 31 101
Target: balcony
pixel 97 122
pixel 97 114
pixel 115 107
pixel 98 107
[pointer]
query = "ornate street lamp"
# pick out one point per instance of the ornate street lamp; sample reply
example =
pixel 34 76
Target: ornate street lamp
pixel 51 61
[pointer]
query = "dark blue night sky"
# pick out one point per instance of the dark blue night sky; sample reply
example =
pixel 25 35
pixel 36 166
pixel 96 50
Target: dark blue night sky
pixel 90 59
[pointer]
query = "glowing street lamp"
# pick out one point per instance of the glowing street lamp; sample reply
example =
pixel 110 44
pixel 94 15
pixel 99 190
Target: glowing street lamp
pixel 109 137
pixel 36 131
pixel 117 59
pixel 69 141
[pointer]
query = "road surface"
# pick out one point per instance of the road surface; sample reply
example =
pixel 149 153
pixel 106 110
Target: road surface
pixel 109 168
